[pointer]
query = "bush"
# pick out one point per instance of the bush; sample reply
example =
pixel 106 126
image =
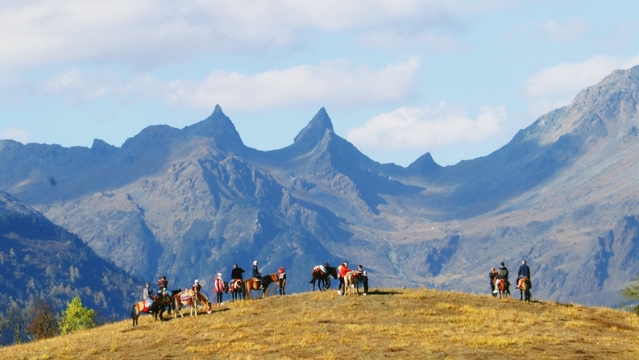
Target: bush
pixel 631 293
pixel 76 317
pixel 43 324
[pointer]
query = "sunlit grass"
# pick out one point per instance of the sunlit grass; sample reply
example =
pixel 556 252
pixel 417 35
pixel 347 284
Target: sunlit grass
pixel 389 323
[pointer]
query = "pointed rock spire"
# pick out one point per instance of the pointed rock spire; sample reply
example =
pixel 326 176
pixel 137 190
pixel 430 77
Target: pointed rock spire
pixel 217 126
pixel 314 131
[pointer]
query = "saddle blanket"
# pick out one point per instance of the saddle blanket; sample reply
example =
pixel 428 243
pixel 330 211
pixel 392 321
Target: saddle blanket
pixel 320 268
pixel 185 297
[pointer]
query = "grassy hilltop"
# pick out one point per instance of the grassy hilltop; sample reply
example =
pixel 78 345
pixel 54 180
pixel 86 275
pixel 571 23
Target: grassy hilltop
pixel 398 323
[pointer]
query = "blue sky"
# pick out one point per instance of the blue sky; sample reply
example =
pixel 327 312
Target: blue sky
pixel 399 78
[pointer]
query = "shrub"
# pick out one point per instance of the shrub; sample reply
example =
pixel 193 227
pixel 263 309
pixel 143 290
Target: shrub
pixel 43 324
pixel 631 293
pixel 76 317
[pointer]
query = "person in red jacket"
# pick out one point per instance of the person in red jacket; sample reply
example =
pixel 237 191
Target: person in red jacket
pixel 219 289
pixel 342 271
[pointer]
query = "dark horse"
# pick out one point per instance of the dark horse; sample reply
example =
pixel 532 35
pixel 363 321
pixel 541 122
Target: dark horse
pixel 524 286
pixel 323 280
pixel 236 288
pixel 157 309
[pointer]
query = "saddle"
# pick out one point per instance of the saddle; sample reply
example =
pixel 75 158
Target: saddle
pixel 319 269
pixel 234 284
pixel 186 296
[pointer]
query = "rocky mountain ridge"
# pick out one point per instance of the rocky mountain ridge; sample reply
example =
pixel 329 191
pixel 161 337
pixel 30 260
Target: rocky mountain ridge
pixel 190 202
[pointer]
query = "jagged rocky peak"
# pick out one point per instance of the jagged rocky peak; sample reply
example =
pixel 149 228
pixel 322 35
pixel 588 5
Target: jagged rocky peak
pixel 217 126
pixel 102 146
pixel 424 165
pixel 316 128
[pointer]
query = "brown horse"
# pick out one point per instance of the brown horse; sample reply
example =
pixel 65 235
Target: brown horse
pixel 157 309
pixel 503 288
pixel 351 281
pixel 254 284
pixel 190 298
pixel 524 286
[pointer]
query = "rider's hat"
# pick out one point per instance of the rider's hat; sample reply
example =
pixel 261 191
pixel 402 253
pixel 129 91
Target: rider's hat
pixel 255 262
pixel 196 281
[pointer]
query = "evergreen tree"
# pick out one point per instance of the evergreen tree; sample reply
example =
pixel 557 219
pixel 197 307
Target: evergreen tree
pixel 76 317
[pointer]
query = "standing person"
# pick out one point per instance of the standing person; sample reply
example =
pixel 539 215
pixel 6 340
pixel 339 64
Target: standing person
pixel 342 272
pixel 237 272
pixel 363 277
pixel 492 275
pixel 257 274
pixel 503 275
pixel 219 289
pixel 524 271
pixel 281 279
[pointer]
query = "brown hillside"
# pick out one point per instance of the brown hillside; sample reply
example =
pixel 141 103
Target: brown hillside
pixel 415 323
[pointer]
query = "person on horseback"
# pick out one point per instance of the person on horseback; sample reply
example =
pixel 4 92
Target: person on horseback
pixel 363 277
pixel 342 270
pixel 503 276
pixel 147 294
pixel 237 272
pixel 196 287
pixel 162 284
pixel 492 275
pixel 219 289
pixel 281 276
pixel 524 271
pixel 257 275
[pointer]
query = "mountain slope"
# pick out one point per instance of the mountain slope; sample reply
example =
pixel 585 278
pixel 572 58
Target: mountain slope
pixel 40 259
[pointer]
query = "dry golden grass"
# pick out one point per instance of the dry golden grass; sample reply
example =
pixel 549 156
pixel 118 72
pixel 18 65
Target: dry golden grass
pixel 415 323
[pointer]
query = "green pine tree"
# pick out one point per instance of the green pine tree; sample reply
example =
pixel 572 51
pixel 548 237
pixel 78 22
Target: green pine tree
pixel 631 293
pixel 76 317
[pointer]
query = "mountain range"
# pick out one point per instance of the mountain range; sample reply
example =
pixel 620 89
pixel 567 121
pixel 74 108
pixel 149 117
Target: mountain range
pixel 189 203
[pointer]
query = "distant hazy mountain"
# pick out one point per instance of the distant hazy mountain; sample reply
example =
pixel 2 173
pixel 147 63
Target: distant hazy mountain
pixel 190 202
pixel 40 259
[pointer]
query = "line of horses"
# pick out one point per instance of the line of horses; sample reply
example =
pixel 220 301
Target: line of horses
pixel 352 279
pixel 239 290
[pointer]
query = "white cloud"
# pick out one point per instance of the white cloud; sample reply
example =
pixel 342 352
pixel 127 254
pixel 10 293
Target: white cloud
pixel 426 128
pixel 571 30
pixel 14 133
pixel 153 32
pixel 556 86
pixel 333 83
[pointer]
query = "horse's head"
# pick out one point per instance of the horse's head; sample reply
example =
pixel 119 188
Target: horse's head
pixel 226 286
pixel 332 272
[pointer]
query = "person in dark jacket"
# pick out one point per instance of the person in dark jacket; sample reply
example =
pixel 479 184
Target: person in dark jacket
pixel 257 274
pixel 492 275
pixel 524 271
pixel 503 275
pixel 162 284
pixel 237 272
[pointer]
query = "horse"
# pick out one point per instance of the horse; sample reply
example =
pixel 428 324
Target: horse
pixel 157 309
pixel 236 288
pixel 524 286
pixel 189 298
pixel 323 278
pixel 351 281
pixel 253 284
pixel 503 288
